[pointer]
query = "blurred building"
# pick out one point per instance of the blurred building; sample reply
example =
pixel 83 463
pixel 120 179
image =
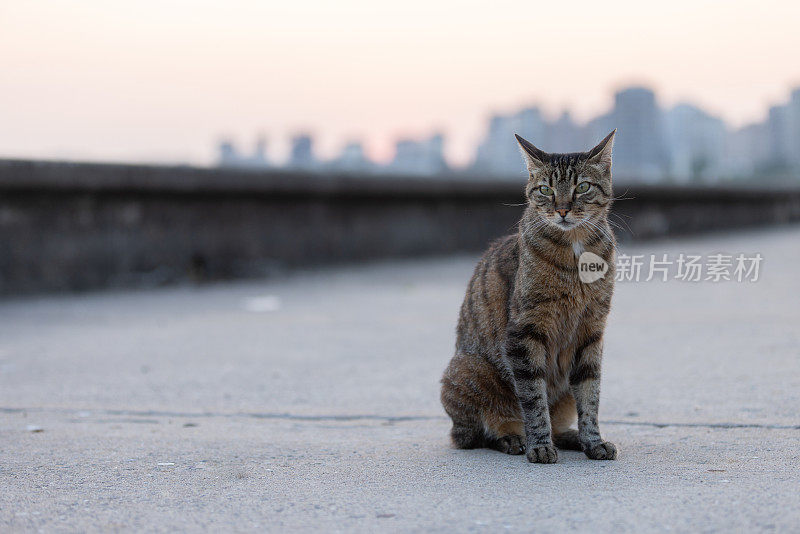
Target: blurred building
pixel 779 136
pixel 419 157
pixel 301 155
pixel 770 149
pixel 498 153
pixel 640 146
pixel 565 135
pixel 794 129
pixel 640 151
pixel 697 143
pixel 229 156
pixel 352 159
pixel 529 124
pixel 746 149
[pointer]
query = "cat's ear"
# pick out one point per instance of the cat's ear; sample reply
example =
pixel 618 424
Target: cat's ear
pixel 534 158
pixel 601 154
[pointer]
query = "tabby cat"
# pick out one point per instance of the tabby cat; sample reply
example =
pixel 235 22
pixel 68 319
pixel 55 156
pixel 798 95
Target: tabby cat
pixel 530 333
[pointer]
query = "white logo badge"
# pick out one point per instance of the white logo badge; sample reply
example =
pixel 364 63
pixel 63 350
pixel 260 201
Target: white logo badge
pixel 591 267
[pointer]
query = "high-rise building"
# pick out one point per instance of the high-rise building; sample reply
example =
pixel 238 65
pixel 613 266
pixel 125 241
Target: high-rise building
pixel 746 150
pixel 640 147
pixel 779 133
pixel 498 154
pixel 419 157
pixel 696 142
pixel 229 156
pixel 794 129
pixel 530 124
pixel 564 135
pixel 301 155
pixel 492 156
pixel 352 159
pixel 260 152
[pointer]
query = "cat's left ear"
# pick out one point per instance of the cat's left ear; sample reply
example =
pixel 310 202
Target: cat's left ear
pixel 534 158
pixel 601 154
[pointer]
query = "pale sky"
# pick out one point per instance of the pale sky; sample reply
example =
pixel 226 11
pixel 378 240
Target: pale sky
pixel 161 80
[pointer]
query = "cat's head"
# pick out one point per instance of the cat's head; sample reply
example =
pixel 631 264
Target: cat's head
pixel 569 190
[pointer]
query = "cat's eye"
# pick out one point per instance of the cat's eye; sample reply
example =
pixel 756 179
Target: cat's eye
pixel 583 187
pixel 545 190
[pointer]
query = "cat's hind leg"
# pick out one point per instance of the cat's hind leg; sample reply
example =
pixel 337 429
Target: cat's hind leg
pixel 461 402
pixel 505 434
pixel 467 436
pixel 512 444
pixel 483 408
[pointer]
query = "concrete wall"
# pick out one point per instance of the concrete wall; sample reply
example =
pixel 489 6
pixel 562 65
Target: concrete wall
pixel 69 226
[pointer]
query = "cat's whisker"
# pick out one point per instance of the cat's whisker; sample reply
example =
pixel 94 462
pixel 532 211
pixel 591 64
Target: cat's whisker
pixel 621 214
pixel 606 233
pixel 615 225
pixel 623 221
pixel 622 196
pixel 600 229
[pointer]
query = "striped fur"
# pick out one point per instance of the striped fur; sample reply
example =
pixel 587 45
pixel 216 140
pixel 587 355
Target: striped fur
pixel 530 333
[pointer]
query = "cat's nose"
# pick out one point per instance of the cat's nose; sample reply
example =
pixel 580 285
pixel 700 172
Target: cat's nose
pixel 563 212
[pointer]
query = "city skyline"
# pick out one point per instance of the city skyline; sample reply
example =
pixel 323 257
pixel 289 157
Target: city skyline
pixel 682 143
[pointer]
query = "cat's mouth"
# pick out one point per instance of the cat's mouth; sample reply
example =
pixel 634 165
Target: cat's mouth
pixel 565 224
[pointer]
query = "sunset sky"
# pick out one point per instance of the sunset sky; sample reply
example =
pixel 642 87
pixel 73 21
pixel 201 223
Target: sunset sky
pixel 165 80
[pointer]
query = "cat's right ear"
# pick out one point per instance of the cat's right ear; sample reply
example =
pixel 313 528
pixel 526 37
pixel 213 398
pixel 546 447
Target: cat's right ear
pixel 534 158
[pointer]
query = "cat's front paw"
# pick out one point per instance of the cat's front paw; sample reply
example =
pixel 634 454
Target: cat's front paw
pixel 605 450
pixel 542 454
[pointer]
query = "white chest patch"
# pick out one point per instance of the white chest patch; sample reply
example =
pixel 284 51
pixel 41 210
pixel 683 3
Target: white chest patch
pixel 577 248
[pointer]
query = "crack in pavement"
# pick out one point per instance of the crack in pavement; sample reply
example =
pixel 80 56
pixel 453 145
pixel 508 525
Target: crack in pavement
pixel 703 425
pixel 86 413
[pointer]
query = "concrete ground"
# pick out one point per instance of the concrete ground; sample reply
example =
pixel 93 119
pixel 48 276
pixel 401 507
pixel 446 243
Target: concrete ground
pixel 311 403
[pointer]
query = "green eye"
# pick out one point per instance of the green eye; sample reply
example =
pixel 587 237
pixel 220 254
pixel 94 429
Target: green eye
pixel 543 189
pixel 583 187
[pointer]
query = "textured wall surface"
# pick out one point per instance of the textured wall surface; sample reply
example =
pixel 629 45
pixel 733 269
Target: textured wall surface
pixel 70 226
